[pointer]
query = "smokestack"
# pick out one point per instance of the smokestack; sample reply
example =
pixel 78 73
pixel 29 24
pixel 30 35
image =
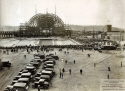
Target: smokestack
pixel 109 28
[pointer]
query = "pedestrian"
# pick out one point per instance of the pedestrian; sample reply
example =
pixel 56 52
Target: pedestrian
pixel 88 55
pixel 81 71
pixel 38 87
pixel 55 53
pixel 65 52
pixel 108 76
pixel 121 63
pixel 65 61
pixel 62 75
pixel 70 71
pixel 94 64
pixel 63 70
pixel 108 68
pixel 25 56
pixel 74 61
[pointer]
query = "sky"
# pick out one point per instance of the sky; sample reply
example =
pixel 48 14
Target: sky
pixel 77 12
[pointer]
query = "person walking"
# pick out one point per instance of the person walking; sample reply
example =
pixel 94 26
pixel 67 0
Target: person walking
pixel 70 71
pixel 74 61
pixel 94 64
pixel 25 56
pixel 65 61
pixel 63 70
pixel 62 75
pixel 88 55
pixel 121 63
pixel 108 76
pixel 108 68
pixel 81 71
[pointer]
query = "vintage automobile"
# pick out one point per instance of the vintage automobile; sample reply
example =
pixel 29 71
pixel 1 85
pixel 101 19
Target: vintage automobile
pixel 51 54
pixel 50 69
pixel 48 57
pixel 23 71
pixel 20 86
pixel 37 60
pixel 8 88
pixel 41 55
pixel 36 57
pixel 46 77
pixel 49 62
pixel 26 75
pixel 6 64
pixel 24 80
pixel 45 72
pixel 31 69
pixel 55 57
pixel 42 83
pixel 35 64
pixel 48 66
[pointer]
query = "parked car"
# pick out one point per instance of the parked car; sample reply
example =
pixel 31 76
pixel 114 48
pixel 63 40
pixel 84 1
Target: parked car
pixel 46 77
pixel 24 80
pixel 26 75
pixel 31 69
pixel 20 86
pixel 49 62
pixel 48 66
pixel 42 83
pixel 55 57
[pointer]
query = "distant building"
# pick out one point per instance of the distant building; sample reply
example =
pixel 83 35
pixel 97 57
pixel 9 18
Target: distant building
pixel 114 35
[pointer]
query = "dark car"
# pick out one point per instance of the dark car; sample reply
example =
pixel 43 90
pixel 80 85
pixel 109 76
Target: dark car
pixel 48 66
pixel 55 57
pixel 49 62
pixel 31 69
pixel 42 83
pixel 26 75
pixel 46 77
pixel 6 64
pixel 24 80
pixel 20 86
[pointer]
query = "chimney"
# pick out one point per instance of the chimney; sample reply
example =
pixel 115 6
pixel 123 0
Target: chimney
pixel 109 28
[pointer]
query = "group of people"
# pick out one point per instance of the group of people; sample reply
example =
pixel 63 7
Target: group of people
pixel 70 71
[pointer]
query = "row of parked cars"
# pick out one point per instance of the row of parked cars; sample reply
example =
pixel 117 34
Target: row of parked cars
pixel 42 79
pixel 26 75
pixel 29 73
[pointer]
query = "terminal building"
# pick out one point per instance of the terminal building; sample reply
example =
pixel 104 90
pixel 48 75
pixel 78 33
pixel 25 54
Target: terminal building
pixel 40 25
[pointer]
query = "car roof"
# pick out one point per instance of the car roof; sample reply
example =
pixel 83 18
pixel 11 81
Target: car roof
pixel 46 76
pixel 26 73
pixel 41 80
pixel 19 85
pixel 46 71
pixel 49 64
pixel 30 67
pixel 23 79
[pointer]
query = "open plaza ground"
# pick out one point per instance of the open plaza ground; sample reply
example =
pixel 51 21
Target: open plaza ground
pixel 88 81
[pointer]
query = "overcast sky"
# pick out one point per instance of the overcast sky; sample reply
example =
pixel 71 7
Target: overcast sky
pixel 77 12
